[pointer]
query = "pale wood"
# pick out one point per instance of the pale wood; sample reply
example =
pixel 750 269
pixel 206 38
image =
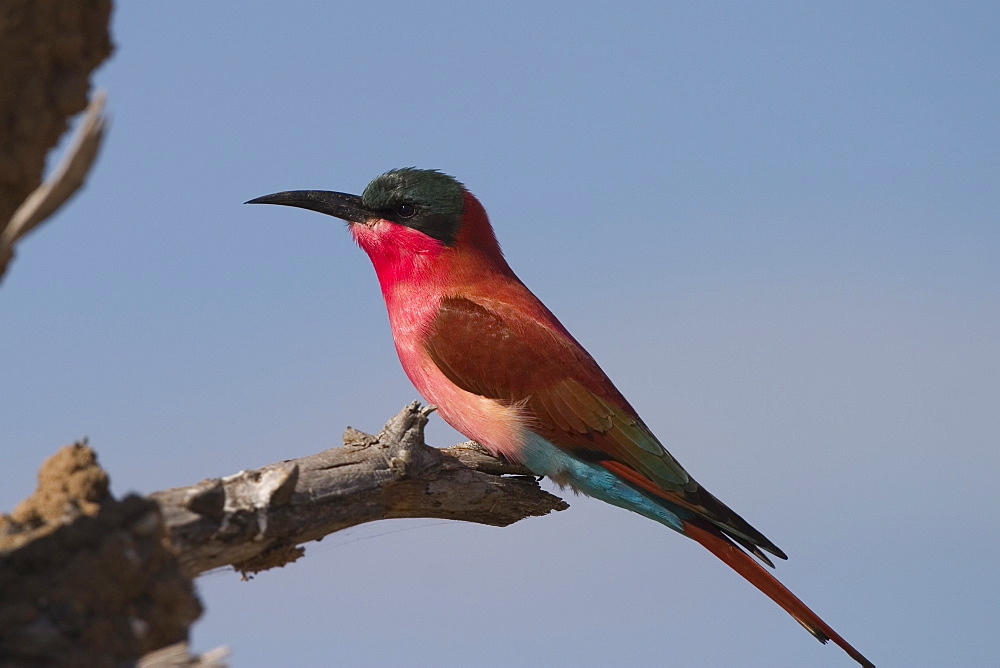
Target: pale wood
pixel 255 519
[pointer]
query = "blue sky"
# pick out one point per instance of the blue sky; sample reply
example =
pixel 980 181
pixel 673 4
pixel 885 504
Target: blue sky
pixel 774 224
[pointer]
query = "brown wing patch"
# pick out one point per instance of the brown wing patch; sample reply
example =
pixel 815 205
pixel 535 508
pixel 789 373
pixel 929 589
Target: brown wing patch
pixel 480 352
pixel 515 359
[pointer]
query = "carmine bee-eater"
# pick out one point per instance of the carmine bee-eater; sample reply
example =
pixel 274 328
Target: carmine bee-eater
pixel 504 372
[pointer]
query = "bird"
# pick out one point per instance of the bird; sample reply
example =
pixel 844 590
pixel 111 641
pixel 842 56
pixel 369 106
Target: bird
pixel 503 371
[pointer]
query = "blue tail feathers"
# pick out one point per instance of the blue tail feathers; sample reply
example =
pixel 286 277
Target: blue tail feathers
pixel 594 480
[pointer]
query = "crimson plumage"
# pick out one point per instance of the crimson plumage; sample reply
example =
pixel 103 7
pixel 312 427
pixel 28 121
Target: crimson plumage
pixel 505 372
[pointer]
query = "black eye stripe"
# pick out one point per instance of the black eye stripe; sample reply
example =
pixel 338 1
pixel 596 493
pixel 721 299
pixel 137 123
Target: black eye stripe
pixel 437 201
pixel 422 217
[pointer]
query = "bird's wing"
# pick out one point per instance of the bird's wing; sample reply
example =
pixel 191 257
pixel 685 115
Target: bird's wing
pixel 494 350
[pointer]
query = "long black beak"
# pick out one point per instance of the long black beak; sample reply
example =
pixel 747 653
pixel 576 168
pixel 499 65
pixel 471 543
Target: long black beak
pixel 340 205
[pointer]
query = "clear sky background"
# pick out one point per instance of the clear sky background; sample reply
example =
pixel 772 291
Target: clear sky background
pixel 776 225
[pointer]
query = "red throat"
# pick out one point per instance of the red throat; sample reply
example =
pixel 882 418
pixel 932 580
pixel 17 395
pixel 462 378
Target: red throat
pixel 398 253
pixel 404 256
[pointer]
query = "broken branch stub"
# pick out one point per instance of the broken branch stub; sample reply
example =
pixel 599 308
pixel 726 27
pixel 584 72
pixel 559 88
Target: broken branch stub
pixel 256 519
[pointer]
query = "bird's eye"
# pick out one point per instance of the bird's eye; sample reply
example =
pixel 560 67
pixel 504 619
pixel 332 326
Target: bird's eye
pixel 406 210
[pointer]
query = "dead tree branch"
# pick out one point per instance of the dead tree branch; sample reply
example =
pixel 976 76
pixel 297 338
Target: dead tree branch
pixel 48 51
pixel 255 519
pixel 88 580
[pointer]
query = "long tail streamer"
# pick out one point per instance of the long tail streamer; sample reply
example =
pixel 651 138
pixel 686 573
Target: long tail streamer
pixel 718 544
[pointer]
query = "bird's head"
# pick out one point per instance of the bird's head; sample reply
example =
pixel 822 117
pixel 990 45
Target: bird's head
pixel 405 218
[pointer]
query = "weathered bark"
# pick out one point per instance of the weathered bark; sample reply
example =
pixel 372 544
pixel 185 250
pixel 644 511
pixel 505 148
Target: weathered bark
pixel 87 580
pixel 256 519
pixel 48 50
